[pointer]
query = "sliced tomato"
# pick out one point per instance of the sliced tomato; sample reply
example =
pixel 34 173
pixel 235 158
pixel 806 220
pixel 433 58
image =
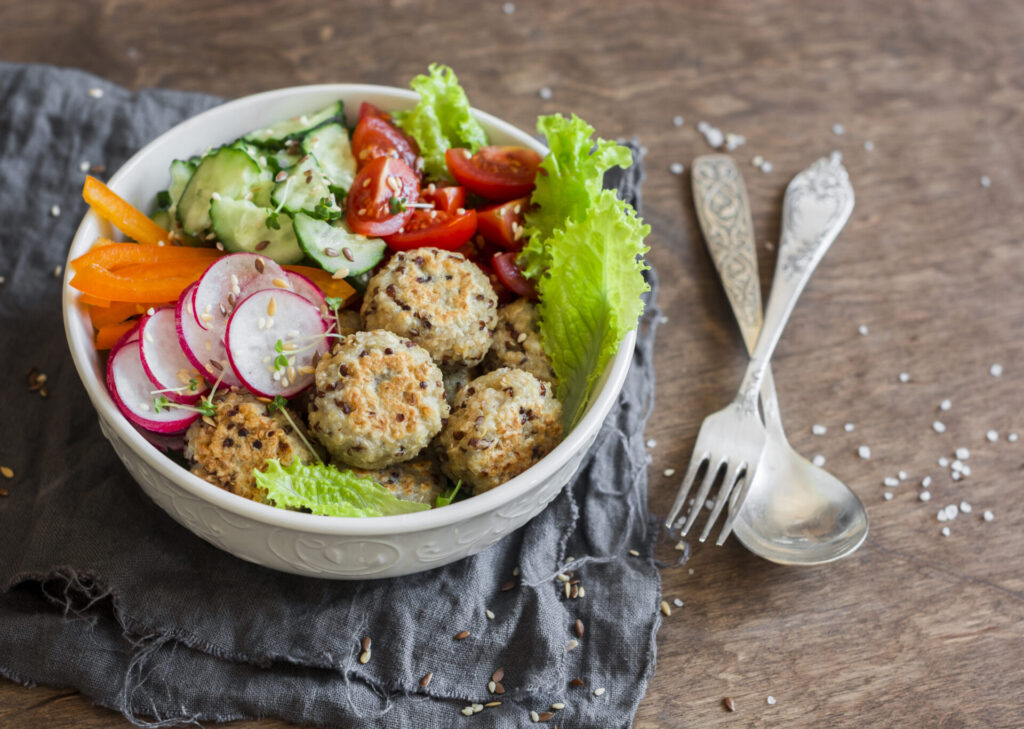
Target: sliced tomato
pixel 434 228
pixel 502 224
pixel 510 275
pixel 375 137
pixel 449 198
pixel 496 173
pixel 369 208
pixel 367 109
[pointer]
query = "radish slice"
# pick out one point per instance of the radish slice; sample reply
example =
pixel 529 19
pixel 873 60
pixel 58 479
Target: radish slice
pixel 164 359
pixel 230 279
pixel 270 324
pixel 308 290
pixel 164 442
pixel 203 349
pixel 132 390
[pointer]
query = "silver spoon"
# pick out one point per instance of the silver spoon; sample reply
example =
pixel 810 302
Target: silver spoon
pixel 793 512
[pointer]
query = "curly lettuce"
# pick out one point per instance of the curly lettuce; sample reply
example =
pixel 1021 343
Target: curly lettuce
pixel 325 490
pixel 441 119
pixel 584 251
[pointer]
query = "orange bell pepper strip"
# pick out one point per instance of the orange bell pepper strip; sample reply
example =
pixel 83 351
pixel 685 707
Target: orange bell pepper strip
pixel 112 256
pixel 107 336
pixel 334 287
pixel 94 300
pixel 116 313
pixel 123 215
pixel 98 281
pixel 173 269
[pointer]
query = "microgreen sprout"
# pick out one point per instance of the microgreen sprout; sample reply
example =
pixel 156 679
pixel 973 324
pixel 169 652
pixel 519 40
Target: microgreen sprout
pixel 280 362
pixel 279 403
pixel 272 221
pixel 327 209
pixel 396 205
pixel 159 403
pixel 446 499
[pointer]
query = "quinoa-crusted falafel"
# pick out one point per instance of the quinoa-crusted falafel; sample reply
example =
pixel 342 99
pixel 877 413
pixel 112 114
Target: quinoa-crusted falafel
pixel 417 480
pixel 501 424
pixel 378 400
pixel 439 299
pixel 517 341
pixel 244 434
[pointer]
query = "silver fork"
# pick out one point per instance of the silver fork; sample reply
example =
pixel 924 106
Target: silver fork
pixel 733 438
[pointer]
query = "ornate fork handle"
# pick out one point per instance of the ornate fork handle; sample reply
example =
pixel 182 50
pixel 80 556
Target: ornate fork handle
pixel 817 205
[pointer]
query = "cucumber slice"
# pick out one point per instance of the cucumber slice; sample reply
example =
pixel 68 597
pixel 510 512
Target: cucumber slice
pixel 306 190
pixel 242 227
pixel 328 244
pixel 277 135
pixel 181 173
pixel 163 219
pixel 261 193
pixel 228 172
pixel 330 146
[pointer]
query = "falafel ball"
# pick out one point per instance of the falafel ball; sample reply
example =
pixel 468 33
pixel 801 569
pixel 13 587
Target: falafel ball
pixel 378 400
pixel 502 423
pixel 239 437
pixel 418 480
pixel 439 299
pixel 517 341
pixel 455 379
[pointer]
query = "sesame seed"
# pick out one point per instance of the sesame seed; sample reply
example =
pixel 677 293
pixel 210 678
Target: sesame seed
pixel 965 507
pixel 598 692
pixel 558 706
pixel 544 92
pixel 83 166
pixel 985 181
pixel 364 657
pixel 651 443
pixel 888 495
pixel 956 475
pixel 340 273
pixel 58 271
pixel 943 462
pixel 864 452
pixel 995 370
pixel 767 167
pixel 925 496
pixel 280 283
pixel 992 436
pixel 926 481
pixel 634 553
pixel 676 168
pixel 849 427
pixel 987 515
pixel 477 708
pixel 945 531
pixel 583 592
pixel 563 577
pixel 491 686
pixel 666 610
pixel 863 330
pixel 271 306
pixel 677 602
pixel 573 643
pixel 681 546
pixel 7 471
pixel 534 716
pixel 468 711
pixel 489 613
pixel 946 404
pixel 890 481
pixel 508 8
pixel 902 475
pixel 1012 437
pixel 669 472
pixel 904 377
pixel 770 701
pixel 962 453
pixel 939 427
pixel 96 93
pixel 869 146
pixel 521 338
pixel 55 211
pixel 838 129
pixel 818 429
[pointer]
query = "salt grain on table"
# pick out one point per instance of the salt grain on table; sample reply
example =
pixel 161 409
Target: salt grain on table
pixel 965 507
pixel 676 168
pixel 849 427
pixel 902 475
pixel 770 701
pixel 678 121
pixel 869 145
pixel 1012 437
pixel 888 495
pixel 904 377
pixel 995 370
pixel 712 135
pixel 939 426
pixel 945 531
pixel 925 496
pixel 838 129
pixel 992 436
pixel 945 404
pixel 943 462
pixel 819 429
pixel 544 92
pixel 734 141
pixel 508 8
pixel 818 460
pixel 863 330
pixel 864 452
pixel 986 181
pixel 962 453
pixel 890 482
pixel 987 515
pixel 766 167
pixel 926 481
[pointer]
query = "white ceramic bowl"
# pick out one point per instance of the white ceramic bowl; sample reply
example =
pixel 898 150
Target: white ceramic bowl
pixel 306 544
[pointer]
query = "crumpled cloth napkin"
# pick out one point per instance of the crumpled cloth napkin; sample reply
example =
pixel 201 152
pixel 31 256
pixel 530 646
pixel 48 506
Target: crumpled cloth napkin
pixel 103 592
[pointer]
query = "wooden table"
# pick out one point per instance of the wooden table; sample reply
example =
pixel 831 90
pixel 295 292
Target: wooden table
pixel 916 629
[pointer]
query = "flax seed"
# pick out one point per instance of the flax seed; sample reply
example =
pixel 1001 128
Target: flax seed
pixel 577 682
pixel 425 681
pixel 462 635
pixel 578 628
pixel 7 472
pixel 729 703
pixel 498 675
pixel 260 266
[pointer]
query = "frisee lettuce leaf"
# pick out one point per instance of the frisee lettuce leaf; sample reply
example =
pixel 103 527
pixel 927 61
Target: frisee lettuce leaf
pixel 441 119
pixel 585 254
pixel 325 490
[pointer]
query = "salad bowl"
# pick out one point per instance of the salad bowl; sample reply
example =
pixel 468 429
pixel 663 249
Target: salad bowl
pixel 290 541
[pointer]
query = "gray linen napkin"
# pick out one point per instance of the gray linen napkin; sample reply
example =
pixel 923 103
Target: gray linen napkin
pixel 101 591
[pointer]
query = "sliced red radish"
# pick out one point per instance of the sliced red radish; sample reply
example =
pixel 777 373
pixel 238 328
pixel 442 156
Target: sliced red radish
pixel 203 349
pixel 272 338
pixel 164 359
pixel 308 290
pixel 133 392
pixel 164 442
pixel 230 279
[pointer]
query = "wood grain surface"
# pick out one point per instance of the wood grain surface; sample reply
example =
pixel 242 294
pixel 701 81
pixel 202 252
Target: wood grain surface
pixel 914 630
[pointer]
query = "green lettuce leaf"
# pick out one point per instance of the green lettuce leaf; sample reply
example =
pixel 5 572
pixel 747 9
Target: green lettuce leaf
pixel 325 490
pixel 445 499
pixel 585 254
pixel 441 119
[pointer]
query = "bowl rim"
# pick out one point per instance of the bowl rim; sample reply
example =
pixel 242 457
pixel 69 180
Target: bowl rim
pixel 80 345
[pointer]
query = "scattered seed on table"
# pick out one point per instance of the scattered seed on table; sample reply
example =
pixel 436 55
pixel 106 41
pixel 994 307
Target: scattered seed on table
pixel 818 429
pixel 729 703
pixel 544 93
pixel 598 692
pixel 863 330
pixel 666 609
pixel 468 711
pixel 888 496
pixel 757 160
pixel 926 481
pixel 562 576
pixel 651 443
pixel 678 120
pixel 508 8
pixel 925 496
pixel 939 427
pixel 945 531
pixel 573 644
pixel 681 546
pixel 770 701
pixel 946 404
pixel 992 436
pixel 890 481
pixel 902 475
pixel 508 585
pixel 987 515
pixel 965 507
pixel 864 452
pixel 838 129
pixel 904 377
pixel 477 708
pixel 995 370
pixel 425 681
pixel 849 427
pixel 58 271
pixel 670 472
pixel 634 553
pixel 96 93
pixel 515 571
pixel 462 635
pixel 491 686
pixel 578 628
pixel 943 462
pixel 498 675
pixel 489 614
pixel 7 471
pixel 492 704
pixel 985 181
pixel 767 167
pixel 577 682
pixel 364 657
pixel 366 644
pixel 499 688
pixel 676 168
pixel 558 706
pixel 818 460
pixel 534 717
pixel 544 716
pixel 869 146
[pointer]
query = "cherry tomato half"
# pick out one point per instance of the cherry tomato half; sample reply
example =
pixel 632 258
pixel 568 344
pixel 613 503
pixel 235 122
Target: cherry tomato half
pixel 367 109
pixel 502 224
pixel 445 230
pixel 496 173
pixel 369 209
pixel 374 137
pixel 510 275
pixel 448 198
